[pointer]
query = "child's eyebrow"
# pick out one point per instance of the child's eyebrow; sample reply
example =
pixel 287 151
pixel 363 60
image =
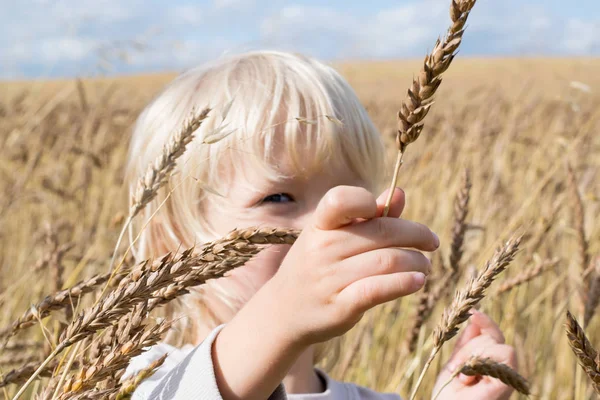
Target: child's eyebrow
pixel 263 184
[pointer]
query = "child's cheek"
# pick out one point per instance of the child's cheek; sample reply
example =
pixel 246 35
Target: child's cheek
pixel 265 264
pixel 248 279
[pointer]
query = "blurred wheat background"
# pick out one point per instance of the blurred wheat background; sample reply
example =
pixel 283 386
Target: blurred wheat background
pixel 514 124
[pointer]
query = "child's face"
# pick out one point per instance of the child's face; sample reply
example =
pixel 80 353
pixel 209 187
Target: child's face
pixel 253 200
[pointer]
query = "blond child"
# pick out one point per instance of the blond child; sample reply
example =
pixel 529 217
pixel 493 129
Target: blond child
pixel 299 151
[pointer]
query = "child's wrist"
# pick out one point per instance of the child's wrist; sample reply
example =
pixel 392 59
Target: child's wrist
pixel 273 354
pixel 271 311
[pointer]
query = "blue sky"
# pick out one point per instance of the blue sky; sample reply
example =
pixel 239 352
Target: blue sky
pixel 52 38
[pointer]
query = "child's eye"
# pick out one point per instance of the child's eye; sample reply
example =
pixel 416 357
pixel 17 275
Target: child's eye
pixel 278 198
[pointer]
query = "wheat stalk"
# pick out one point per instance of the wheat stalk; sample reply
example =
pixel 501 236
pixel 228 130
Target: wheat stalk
pixel 466 299
pixel 419 99
pixel 477 366
pixel 586 355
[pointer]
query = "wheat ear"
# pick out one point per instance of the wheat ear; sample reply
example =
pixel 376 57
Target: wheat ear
pixel 419 99
pixel 477 366
pixel 421 314
pixel 157 173
pixel 116 359
pixel 466 299
pixel 186 270
pixel 20 375
pixel 582 243
pixel 525 276
pixel 586 355
pixel 22 344
pixel 578 217
pixel 427 299
pixel 459 226
pixel 131 384
pixel 593 297
pixel 53 302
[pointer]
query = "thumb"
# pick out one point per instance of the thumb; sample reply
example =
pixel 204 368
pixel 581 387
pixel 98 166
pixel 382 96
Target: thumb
pixel 487 326
pixel 479 324
pixel 342 205
pixel 396 206
pixel 470 332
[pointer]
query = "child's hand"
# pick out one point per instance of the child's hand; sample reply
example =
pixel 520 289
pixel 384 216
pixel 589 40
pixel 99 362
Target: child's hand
pixel 345 262
pixel 483 338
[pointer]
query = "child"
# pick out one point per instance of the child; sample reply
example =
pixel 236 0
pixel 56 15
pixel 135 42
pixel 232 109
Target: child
pixel 300 152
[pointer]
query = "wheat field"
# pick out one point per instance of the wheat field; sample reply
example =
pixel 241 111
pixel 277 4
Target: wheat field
pixel 527 131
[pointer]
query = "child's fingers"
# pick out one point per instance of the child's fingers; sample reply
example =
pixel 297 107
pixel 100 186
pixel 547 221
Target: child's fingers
pixel 396 206
pixel 366 293
pixel 380 233
pixel 380 262
pixel 470 332
pixel 342 205
pixel 483 346
pixel 487 326
pixel 479 324
pixel 500 353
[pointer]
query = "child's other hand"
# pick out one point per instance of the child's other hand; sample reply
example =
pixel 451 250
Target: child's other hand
pixel 482 338
pixel 345 262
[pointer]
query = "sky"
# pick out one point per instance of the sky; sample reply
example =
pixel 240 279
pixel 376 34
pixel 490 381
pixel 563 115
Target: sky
pixel 65 38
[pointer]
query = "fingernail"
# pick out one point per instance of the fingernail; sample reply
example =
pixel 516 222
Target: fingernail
pixel 419 279
pixel 436 240
pixel 452 366
pixel 467 379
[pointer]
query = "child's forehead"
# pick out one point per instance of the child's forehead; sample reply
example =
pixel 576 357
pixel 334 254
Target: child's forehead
pixel 280 167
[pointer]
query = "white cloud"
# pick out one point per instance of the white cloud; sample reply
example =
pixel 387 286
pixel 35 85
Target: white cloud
pixel 51 50
pixel 405 29
pixel 237 4
pixel 181 54
pixel 186 13
pixel 581 37
pixel 98 10
pixel 509 27
pixel 65 49
pixel 294 20
pixel 73 33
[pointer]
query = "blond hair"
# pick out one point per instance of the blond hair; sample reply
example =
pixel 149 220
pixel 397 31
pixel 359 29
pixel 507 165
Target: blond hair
pixel 257 98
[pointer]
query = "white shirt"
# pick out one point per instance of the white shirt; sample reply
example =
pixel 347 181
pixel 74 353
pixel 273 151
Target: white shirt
pixel 188 373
